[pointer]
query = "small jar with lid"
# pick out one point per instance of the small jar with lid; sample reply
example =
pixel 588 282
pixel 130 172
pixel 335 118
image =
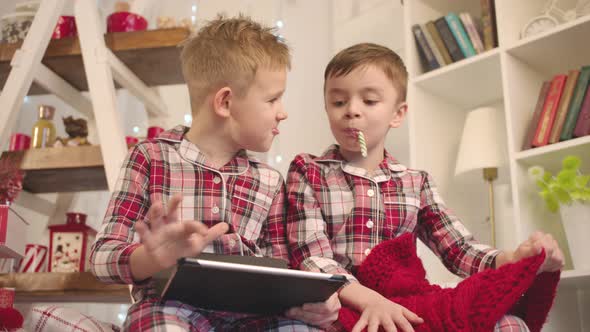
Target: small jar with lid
pixel 44 129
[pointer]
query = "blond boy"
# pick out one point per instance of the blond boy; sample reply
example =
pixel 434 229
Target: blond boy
pixel 342 204
pixel 196 189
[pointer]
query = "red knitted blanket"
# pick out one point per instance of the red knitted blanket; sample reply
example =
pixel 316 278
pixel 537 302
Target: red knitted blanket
pixel 394 270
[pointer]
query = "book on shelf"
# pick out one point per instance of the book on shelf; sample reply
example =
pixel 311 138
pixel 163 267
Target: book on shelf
pixel 564 103
pixel 460 35
pixel 435 51
pixel 440 45
pixel 583 123
pixel 448 39
pixel 426 55
pixel 549 110
pixel 528 141
pixel 488 21
pixel 472 31
pixel 574 109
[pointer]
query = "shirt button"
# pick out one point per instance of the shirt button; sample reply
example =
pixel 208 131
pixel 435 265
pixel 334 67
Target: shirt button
pixel 370 192
pixel 367 252
pixel 370 223
pixel 216 180
pixel 215 210
pixel 232 243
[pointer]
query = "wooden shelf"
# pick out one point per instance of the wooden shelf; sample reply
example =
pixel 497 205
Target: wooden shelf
pixel 64 169
pixel 558 50
pixel 153 55
pixel 550 156
pixel 575 278
pixel 63 287
pixel 476 80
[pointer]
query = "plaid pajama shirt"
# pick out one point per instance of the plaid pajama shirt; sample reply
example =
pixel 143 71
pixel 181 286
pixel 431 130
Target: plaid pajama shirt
pixel 338 212
pixel 245 193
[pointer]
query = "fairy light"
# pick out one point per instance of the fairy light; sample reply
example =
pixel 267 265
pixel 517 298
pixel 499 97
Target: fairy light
pixel 188 119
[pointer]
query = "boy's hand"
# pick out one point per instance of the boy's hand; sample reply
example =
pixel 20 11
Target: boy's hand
pixel 377 311
pixel 321 314
pixel 167 239
pixel 538 241
pixel 554 259
pixel 388 315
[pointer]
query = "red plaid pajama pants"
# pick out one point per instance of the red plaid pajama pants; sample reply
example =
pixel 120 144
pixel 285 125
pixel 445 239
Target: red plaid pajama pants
pixel 172 316
pixel 152 315
pixel 511 324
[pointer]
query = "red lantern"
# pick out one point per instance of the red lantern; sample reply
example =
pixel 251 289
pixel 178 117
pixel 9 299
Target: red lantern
pixel 70 244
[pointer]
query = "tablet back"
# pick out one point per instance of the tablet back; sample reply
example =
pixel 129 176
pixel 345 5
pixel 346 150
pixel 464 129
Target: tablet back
pixel 248 289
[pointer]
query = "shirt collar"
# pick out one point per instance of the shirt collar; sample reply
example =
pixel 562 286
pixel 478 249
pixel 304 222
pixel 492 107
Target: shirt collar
pixel 190 152
pixel 387 166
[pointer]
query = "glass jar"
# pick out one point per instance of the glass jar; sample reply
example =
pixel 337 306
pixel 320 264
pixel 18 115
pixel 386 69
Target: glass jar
pixel 44 129
pixel 180 13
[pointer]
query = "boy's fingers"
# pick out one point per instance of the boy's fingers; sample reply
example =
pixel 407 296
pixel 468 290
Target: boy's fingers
pixel 191 226
pixel 173 205
pixel 536 236
pixel 404 325
pixel 536 248
pixel 309 317
pixel 216 231
pixel 332 304
pixel 559 255
pixel 389 325
pixel 373 325
pixel 412 317
pixel 292 312
pixel 154 215
pixel 320 307
pixel 360 325
pixel 142 230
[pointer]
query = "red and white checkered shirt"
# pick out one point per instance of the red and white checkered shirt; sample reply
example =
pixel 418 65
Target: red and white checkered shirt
pixel 245 193
pixel 338 212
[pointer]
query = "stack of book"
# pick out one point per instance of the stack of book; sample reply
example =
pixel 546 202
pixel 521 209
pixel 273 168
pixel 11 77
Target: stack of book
pixel 455 37
pixel 562 111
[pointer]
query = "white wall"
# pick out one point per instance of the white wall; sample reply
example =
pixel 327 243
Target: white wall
pixel 380 22
pixel 308 32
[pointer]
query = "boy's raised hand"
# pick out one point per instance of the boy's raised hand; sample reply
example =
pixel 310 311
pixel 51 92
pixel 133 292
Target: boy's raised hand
pixel 554 259
pixel 167 239
pixel 321 314
pixel 538 241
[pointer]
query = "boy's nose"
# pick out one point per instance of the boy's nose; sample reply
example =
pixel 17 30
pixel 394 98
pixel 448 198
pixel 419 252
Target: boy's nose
pixel 352 113
pixel 282 115
pixel 352 110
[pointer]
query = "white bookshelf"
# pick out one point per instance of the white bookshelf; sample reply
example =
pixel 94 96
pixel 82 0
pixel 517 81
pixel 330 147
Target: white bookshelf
pixel 508 78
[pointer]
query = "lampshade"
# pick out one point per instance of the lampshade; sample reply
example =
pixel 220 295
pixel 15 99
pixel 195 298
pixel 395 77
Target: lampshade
pixel 483 141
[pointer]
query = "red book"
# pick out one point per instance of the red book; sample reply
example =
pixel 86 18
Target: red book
pixel 549 110
pixel 583 122
pixel 530 134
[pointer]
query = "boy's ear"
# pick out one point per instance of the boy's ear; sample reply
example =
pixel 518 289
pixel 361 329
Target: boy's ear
pixel 222 101
pixel 399 115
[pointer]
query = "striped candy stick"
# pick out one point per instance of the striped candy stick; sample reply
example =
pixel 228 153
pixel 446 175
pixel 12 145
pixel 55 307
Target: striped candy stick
pixel 362 143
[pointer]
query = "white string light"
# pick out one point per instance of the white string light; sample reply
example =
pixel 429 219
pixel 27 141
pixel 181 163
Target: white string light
pixel 188 119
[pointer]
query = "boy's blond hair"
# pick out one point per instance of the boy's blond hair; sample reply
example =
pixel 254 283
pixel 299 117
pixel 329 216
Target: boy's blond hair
pixel 364 54
pixel 228 52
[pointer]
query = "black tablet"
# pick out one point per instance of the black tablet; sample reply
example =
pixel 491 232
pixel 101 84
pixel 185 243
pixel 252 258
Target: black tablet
pixel 229 286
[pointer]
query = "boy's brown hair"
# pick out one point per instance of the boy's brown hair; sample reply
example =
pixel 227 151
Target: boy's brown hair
pixel 364 54
pixel 228 52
